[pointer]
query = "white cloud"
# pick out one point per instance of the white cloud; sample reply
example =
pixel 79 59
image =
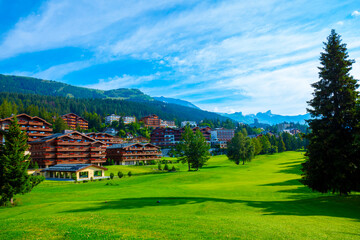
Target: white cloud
pixel 124 81
pixel 355 13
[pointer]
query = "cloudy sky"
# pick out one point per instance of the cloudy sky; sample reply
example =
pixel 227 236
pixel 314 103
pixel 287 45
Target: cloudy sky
pixel 223 56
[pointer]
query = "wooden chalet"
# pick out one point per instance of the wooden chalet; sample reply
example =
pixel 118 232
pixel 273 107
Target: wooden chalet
pixel 130 153
pixel 105 138
pixel 67 148
pixel 74 120
pixel 35 127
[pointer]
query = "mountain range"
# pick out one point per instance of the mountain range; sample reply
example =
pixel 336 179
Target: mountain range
pixel 266 117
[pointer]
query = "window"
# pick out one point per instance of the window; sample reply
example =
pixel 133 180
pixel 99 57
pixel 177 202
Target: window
pixel 97 174
pixel 84 174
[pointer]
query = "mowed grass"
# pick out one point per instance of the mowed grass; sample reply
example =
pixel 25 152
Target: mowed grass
pixel 260 200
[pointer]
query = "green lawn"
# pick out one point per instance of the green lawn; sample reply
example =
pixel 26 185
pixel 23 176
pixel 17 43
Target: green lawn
pixel 261 200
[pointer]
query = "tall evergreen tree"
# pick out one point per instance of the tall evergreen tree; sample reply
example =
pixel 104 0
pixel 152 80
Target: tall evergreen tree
pixel 14 178
pixel 332 156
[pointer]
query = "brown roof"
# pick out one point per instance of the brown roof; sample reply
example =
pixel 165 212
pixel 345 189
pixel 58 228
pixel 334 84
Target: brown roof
pixel 23 114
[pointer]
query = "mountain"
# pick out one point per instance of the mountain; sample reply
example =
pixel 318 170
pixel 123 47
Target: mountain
pixel 266 117
pixel 17 84
pixel 80 99
pixel 176 101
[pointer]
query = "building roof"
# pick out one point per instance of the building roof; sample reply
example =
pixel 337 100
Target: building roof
pixel 60 135
pixel 123 145
pixel 65 115
pixel 70 167
pixel 25 115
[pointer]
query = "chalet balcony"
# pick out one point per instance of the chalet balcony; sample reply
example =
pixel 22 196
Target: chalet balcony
pixel 39 129
pixel 95 149
pixel 36 123
pixel 140 153
pixel 48 149
pixel 75 143
pixel 71 149
pixel 37 134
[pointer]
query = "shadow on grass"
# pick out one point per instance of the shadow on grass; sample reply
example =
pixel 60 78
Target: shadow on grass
pixel 290 182
pixel 332 206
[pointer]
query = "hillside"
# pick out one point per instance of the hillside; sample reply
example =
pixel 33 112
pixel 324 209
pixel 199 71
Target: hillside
pixel 34 104
pixel 266 117
pixel 17 84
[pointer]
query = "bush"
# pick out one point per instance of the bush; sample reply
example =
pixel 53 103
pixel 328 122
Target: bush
pixel 129 173
pixel 120 174
pixel 141 163
pixel 111 175
pixel 85 181
pixel 173 169
pixel 166 168
pixel 91 179
pixel 159 166
pixel 152 162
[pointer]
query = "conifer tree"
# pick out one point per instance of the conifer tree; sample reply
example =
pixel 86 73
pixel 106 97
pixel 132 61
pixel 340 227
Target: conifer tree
pixel 332 155
pixel 14 178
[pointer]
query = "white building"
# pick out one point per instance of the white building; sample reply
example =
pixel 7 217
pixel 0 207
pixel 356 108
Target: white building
pixel 191 123
pixel 113 117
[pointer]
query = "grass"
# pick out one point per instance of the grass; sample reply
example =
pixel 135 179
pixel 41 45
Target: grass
pixel 260 200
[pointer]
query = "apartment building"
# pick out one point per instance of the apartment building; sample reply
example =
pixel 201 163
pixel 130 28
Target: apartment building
pixel 71 147
pixel 35 127
pixel 74 120
pixel 131 153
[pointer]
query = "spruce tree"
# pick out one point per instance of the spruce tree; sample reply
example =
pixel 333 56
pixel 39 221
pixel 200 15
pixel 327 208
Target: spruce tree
pixel 332 159
pixel 14 163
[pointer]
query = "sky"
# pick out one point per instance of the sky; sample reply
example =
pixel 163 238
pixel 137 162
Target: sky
pixel 223 56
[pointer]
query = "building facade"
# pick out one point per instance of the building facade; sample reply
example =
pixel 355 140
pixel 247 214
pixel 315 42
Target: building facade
pixel 72 172
pixel 35 127
pixel 105 138
pixel 113 117
pixel 168 137
pixel 167 124
pixel 151 121
pixel 74 120
pixel 67 148
pixel 165 137
pixel 192 124
pixel 131 153
pixel 221 137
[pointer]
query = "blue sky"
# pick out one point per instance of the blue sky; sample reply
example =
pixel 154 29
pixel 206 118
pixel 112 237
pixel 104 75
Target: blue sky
pixel 224 56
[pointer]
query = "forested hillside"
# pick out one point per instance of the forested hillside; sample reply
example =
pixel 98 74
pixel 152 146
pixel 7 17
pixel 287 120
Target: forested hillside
pixel 49 106
pixel 17 84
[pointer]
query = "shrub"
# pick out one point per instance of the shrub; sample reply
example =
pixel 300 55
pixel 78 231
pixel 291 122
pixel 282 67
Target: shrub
pixel 141 163
pixel 91 179
pixel 173 169
pixel 111 175
pixel 120 174
pixel 129 173
pixel 166 168
pixel 159 166
pixel 85 181
pixel 152 162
